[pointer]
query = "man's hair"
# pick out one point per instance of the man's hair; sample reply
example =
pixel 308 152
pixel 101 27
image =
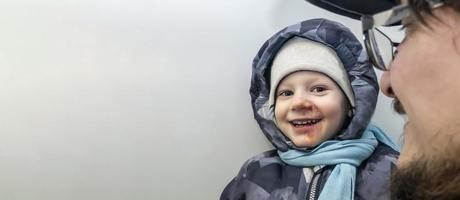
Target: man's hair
pixel 421 7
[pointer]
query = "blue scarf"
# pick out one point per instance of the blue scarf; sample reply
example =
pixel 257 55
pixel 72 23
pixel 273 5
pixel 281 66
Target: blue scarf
pixel 346 155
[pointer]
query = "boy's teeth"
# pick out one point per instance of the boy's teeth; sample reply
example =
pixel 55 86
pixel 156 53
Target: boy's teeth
pixel 305 122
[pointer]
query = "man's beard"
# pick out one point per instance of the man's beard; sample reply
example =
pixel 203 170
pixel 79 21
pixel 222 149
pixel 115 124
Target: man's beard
pixel 432 176
pixel 435 177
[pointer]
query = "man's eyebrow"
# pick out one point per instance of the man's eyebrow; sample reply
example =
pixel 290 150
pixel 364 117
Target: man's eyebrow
pixel 410 24
pixel 408 20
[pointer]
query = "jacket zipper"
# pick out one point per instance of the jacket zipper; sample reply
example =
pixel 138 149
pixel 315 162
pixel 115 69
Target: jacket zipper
pixel 314 186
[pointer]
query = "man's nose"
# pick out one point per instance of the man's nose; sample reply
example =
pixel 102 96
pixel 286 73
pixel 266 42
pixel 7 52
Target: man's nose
pixel 385 84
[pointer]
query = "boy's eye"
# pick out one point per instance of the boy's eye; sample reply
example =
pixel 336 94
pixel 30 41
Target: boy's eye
pixel 318 89
pixel 286 93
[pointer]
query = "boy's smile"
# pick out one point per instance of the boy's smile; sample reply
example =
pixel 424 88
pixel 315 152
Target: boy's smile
pixel 305 127
pixel 310 108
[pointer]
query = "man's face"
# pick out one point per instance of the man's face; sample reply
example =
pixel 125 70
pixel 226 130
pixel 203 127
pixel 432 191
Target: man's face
pixel 310 108
pixel 425 77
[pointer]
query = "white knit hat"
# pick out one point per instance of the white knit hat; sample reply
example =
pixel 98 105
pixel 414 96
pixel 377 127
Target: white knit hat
pixel 300 54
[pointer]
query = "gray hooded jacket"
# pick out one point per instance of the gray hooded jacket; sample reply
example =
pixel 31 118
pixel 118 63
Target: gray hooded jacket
pixel 265 176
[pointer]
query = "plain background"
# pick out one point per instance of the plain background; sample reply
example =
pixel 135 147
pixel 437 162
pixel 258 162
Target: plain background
pixel 135 99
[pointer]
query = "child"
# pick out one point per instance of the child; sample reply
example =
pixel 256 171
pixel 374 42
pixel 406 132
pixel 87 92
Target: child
pixel 313 94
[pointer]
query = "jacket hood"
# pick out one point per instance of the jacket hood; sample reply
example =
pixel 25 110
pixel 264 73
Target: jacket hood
pixel 355 61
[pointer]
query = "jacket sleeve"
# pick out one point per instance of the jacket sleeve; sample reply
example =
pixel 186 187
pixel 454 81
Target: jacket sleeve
pixel 246 185
pixel 236 190
pixel 232 191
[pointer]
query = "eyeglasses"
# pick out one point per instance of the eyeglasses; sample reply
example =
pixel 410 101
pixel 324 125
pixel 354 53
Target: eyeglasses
pixel 380 48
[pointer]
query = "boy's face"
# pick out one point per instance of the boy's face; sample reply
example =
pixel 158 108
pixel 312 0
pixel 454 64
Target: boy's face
pixel 310 108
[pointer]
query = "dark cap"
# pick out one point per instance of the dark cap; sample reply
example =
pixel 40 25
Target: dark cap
pixel 355 8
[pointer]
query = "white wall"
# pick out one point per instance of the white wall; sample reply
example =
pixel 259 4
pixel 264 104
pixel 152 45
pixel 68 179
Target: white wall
pixel 134 99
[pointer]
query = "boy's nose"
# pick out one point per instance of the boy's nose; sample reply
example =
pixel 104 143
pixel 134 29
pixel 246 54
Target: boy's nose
pixel 301 102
